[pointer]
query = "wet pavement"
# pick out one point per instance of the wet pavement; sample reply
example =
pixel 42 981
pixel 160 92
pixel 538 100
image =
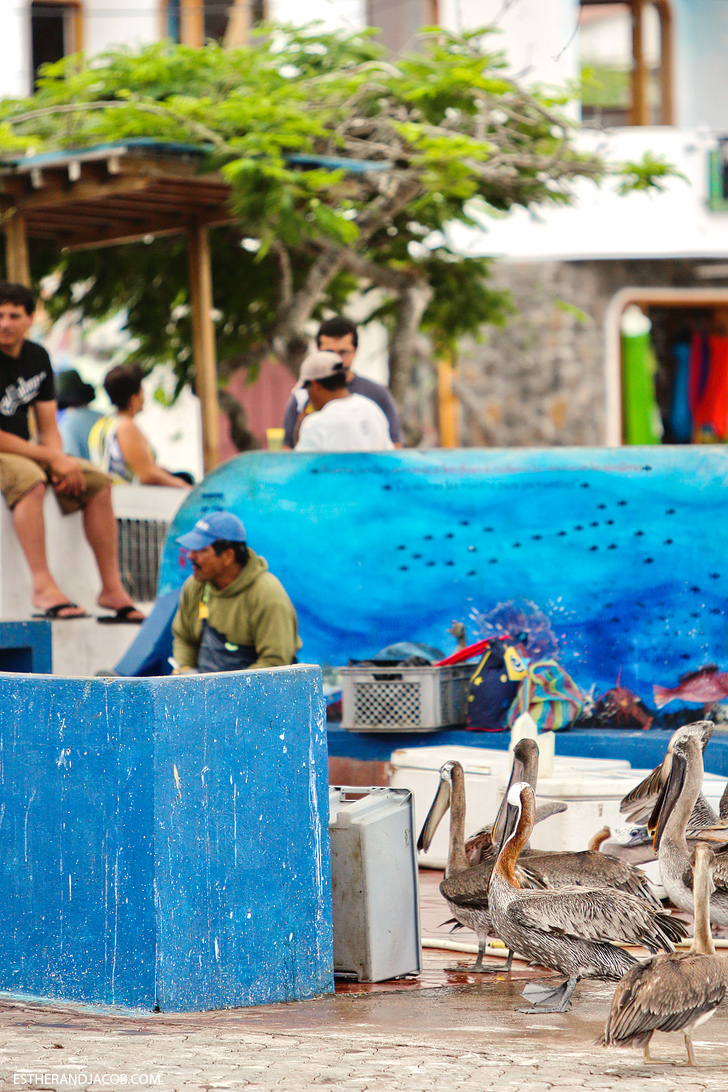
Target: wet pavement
pixel 444 1030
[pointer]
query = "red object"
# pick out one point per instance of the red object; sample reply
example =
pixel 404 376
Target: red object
pixel 467 653
pixel 711 415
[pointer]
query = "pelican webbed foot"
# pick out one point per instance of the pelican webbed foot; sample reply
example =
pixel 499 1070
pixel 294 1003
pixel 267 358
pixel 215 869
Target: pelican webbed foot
pixel 549 999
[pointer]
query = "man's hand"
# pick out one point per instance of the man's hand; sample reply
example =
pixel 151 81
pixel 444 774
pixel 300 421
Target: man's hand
pixel 66 475
pixel 185 671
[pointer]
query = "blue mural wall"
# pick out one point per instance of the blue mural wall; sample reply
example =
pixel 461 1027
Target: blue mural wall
pixel 623 549
pixel 165 841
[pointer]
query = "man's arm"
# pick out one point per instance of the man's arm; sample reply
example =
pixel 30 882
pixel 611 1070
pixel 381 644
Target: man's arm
pixel 64 471
pixel 308 435
pixel 389 408
pixel 289 422
pixel 276 633
pixel 137 453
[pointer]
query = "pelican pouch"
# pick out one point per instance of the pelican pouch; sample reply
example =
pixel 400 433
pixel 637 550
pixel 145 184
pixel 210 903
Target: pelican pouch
pixel 493 686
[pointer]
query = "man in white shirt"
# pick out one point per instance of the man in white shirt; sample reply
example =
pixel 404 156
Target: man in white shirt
pixel 343 421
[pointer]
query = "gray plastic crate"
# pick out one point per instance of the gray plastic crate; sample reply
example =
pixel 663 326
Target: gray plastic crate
pixel 403 699
pixel 374 883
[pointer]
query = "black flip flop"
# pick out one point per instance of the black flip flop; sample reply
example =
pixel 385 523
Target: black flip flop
pixel 53 614
pixel 121 618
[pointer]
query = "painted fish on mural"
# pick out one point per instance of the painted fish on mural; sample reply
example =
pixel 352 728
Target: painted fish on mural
pixel 705 686
pixel 625 706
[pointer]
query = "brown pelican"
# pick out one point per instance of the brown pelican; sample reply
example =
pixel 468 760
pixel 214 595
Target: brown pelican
pixel 672 813
pixel 638 804
pixel 631 843
pixel 464 887
pixel 676 991
pixel 573 930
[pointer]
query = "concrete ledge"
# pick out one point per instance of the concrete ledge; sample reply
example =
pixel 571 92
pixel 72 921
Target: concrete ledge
pixel 164 841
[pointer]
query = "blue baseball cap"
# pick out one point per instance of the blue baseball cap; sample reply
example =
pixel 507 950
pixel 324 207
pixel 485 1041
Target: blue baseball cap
pixel 217 527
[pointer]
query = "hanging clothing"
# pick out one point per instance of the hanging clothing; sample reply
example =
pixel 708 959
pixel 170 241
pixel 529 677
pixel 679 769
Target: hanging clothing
pixel 711 416
pixel 680 418
pixel 698 370
pixel 641 415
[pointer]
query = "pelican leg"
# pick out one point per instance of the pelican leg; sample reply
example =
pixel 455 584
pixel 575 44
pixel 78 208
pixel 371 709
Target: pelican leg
pixel 560 997
pixel 477 967
pixel 689 1047
pixel 649 1060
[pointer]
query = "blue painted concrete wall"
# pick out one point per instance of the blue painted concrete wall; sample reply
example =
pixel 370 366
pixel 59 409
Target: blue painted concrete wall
pixel 623 549
pixel 26 646
pixel 165 840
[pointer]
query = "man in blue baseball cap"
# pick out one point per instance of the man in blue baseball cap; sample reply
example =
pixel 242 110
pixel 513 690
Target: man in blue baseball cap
pixel 233 614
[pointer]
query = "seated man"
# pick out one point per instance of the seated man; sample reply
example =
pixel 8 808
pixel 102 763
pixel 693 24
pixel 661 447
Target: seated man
pixel 344 421
pixel 28 468
pixel 339 335
pixel 233 613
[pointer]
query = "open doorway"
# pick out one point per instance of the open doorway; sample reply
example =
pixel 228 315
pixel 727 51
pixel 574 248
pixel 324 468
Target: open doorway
pixel 667 366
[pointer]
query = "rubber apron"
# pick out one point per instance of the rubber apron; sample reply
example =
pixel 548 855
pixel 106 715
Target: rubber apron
pixel 216 653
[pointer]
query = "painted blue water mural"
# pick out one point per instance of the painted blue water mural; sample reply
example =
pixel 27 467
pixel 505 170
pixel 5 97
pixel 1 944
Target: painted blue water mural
pixel 623 549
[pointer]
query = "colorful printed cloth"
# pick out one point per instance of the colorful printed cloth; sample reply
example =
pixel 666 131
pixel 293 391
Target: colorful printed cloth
pixel 549 694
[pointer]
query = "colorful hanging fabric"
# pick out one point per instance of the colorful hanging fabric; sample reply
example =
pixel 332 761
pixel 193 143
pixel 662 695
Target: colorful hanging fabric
pixel 680 419
pixel 641 415
pixel 698 370
pixel 549 694
pixel 711 417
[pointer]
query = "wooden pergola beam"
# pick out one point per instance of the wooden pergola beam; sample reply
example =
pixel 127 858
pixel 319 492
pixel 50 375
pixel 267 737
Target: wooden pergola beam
pixel 640 105
pixel 203 341
pixel 16 247
pixel 192 22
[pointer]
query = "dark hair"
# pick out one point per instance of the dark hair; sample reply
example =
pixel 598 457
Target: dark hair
pixel 17 294
pixel 338 326
pixel 122 383
pixel 240 550
pixel 331 382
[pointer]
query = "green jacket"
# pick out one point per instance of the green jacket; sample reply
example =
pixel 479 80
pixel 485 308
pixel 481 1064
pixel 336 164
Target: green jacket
pixel 253 610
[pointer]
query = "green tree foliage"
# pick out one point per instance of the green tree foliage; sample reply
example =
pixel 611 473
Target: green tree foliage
pixel 451 131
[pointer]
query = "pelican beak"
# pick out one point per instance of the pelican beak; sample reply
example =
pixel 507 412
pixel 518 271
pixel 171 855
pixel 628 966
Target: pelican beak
pixel 511 813
pixel 518 773
pixel 668 798
pixel 434 816
pixel 715 835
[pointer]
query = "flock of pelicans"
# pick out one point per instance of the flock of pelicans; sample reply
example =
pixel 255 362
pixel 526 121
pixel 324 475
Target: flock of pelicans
pixel 573 911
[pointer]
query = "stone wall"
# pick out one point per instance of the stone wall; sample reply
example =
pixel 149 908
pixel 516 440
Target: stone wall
pixel 540 380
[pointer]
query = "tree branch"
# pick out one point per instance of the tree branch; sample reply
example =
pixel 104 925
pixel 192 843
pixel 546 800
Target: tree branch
pixel 412 305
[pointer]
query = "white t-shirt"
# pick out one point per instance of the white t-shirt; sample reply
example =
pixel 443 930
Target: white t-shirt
pixel 354 423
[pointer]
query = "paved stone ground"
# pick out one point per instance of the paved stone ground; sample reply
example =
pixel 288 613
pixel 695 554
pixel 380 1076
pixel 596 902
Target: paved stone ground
pixel 459 1037
pixel 444 1030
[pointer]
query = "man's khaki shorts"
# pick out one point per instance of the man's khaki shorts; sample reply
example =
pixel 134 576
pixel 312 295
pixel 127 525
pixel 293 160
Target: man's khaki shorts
pixel 19 475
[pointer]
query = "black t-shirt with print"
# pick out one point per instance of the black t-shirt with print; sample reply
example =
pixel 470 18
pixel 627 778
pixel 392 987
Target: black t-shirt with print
pixel 24 380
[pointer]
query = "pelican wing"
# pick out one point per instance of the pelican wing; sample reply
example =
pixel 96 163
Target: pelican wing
pixel 596 914
pixel 637 805
pixel 588 868
pixel 665 993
